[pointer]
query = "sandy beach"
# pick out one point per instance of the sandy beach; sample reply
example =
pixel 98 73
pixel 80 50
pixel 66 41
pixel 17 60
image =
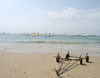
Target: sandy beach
pixel 40 65
pixel 34 32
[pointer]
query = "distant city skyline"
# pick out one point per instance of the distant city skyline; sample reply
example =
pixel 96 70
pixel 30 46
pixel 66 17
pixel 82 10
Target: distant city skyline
pixel 50 16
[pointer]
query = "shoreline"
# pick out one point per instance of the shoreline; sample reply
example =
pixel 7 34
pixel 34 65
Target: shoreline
pixel 75 51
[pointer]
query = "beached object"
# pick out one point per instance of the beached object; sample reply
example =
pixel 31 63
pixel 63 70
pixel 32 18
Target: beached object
pixel 62 69
pixel 68 56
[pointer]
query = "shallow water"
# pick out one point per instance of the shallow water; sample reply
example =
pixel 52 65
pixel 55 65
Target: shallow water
pixel 42 44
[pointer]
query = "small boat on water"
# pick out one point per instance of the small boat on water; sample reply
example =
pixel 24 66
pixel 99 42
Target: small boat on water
pixel 45 34
pixel 49 34
pixel 52 34
pixel 84 35
pixel 33 35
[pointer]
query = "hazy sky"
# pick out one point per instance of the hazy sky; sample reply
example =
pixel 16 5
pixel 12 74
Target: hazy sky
pixel 54 16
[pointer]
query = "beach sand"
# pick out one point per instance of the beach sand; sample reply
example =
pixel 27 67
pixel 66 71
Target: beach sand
pixel 40 65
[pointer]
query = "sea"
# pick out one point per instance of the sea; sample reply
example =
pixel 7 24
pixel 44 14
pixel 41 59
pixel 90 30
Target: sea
pixel 42 43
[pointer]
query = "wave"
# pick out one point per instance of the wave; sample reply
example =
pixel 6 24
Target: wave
pixel 55 42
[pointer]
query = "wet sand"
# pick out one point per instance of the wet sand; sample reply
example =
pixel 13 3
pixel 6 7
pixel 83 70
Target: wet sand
pixel 40 65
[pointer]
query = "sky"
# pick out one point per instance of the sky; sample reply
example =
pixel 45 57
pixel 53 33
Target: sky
pixel 50 16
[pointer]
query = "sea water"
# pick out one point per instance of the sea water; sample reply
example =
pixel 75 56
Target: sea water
pixel 39 44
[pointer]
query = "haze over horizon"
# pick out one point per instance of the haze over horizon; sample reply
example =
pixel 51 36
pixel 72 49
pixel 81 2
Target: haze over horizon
pixel 50 16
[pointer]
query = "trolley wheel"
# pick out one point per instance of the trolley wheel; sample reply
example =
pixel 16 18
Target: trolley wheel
pixel 67 56
pixel 87 58
pixel 81 61
pixel 57 59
